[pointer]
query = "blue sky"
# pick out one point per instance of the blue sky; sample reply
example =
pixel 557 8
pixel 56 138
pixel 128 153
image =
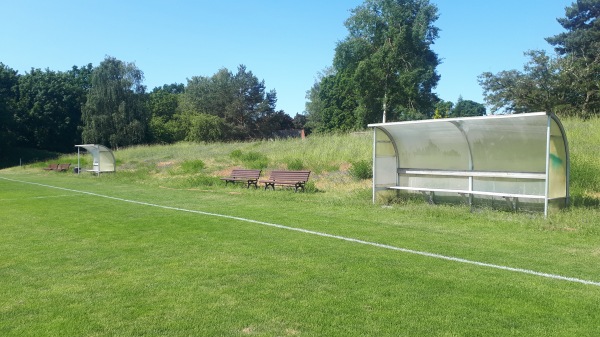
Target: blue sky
pixel 285 43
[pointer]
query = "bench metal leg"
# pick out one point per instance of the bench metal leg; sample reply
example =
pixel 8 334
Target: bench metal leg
pixel 430 196
pixel 468 198
pixel 512 202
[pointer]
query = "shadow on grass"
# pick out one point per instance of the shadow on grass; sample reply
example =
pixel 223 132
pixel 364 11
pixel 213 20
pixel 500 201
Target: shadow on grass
pixel 578 200
pixel 12 156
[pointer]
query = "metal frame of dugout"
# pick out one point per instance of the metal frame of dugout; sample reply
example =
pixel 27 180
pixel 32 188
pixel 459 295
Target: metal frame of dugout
pixel 519 158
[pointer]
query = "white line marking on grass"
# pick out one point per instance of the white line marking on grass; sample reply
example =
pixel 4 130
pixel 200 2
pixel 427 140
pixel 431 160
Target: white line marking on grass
pixel 307 231
pixel 40 197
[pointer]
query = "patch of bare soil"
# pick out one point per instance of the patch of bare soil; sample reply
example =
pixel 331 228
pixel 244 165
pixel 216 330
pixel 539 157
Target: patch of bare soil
pixel 165 163
pixel 345 167
pixel 223 173
pixel 595 195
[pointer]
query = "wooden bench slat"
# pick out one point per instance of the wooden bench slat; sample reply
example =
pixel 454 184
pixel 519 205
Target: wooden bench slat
pixel 287 178
pixel 51 167
pixel 63 167
pixel 250 177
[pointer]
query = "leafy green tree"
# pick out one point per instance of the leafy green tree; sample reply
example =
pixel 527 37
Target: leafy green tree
pixel 116 112
pixel 164 100
pixel 209 95
pixel 250 100
pixel 340 104
pixel 268 123
pixel 239 99
pixel 314 106
pixel 164 103
pixel 443 108
pixel 568 84
pixel 300 122
pixel 500 91
pixel 438 114
pixel 467 108
pixel 385 68
pixel 9 80
pixel 206 128
pixel 580 48
pixel 582 38
pixel 80 79
pixel 49 111
pixel 166 130
pixel 536 88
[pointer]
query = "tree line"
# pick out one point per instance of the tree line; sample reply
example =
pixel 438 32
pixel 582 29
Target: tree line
pixel 108 104
pixel 567 83
pixel 384 70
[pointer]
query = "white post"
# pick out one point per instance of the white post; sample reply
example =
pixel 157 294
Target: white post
pixel 78 162
pixel 374 167
pixel 547 185
pixel 384 106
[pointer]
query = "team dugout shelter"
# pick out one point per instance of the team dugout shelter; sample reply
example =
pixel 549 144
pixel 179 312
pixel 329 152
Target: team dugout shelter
pixel 103 158
pixel 517 160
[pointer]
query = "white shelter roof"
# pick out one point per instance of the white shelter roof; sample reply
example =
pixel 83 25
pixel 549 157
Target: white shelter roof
pixel 104 159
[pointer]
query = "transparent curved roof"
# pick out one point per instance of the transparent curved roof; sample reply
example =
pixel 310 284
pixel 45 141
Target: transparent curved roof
pixel 521 154
pixel 104 159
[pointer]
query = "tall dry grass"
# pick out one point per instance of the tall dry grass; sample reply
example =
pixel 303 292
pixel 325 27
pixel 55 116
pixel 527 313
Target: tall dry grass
pixel 329 157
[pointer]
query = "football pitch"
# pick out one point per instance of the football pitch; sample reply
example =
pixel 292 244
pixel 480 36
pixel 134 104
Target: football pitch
pixel 94 257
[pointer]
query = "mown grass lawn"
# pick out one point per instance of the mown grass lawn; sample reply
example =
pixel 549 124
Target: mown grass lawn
pixel 163 248
pixel 81 264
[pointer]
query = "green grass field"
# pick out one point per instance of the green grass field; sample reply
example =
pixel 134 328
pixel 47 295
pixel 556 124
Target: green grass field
pixel 163 248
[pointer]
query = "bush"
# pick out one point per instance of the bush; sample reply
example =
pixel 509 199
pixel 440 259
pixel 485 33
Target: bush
pixel 206 128
pixel 362 169
pixel 164 130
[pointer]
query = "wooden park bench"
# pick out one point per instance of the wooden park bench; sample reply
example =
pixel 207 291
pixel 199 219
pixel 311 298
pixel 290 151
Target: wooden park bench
pixel 297 179
pixel 63 167
pixel 51 167
pixel 250 177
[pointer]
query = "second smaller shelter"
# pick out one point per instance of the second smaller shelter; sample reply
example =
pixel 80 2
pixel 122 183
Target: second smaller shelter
pixel 104 159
